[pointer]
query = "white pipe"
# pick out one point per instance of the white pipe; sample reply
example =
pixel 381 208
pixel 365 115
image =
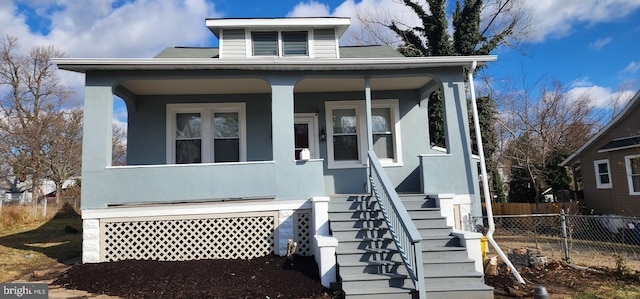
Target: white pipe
pixel 485 179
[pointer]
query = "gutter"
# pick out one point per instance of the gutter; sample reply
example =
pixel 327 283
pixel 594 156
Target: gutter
pixel 485 179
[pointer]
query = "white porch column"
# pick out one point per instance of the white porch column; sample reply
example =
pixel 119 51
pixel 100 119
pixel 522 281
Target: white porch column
pixel 367 104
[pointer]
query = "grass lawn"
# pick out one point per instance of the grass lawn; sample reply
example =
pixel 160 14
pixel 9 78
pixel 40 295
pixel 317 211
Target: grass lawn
pixel 25 248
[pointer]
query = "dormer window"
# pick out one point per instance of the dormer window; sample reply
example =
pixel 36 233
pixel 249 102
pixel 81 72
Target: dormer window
pixel 294 43
pixel 273 43
pixel 265 43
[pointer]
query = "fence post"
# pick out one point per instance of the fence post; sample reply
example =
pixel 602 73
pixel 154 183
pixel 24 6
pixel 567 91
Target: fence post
pixel 565 244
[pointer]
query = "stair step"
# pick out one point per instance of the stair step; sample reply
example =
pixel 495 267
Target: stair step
pixel 447 266
pixel 372 280
pixel 435 231
pixel 456 292
pixel 455 279
pixel 370 266
pixel 377 292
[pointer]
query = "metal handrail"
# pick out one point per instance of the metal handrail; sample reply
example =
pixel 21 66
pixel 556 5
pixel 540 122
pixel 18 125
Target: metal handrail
pixel 403 231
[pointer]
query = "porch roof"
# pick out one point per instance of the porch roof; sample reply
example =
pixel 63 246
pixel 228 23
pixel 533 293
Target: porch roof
pixel 82 65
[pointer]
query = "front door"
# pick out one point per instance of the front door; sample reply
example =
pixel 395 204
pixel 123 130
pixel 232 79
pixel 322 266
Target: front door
pixel 306 134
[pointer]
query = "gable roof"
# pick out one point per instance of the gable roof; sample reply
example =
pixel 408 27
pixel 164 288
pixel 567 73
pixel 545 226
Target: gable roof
pixel 628 109
pixel 373 51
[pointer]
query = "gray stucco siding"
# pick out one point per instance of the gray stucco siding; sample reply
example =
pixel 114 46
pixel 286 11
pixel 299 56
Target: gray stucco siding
pixel 147 126
pixel 414 140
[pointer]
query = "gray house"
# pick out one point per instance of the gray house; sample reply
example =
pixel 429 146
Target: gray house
pixel 281 135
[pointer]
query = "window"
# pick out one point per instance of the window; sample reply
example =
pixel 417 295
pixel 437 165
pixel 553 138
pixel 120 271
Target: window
pixel 265 43
pixel 632 164
pixel 294 43
pixel 188 138
pixel 274 43
pixel 345 134
pixel 347 139
pixel 205 133
pixel 603 174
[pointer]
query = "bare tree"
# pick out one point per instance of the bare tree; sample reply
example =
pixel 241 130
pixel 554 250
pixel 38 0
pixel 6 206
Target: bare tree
pixel 63 146
pixel 119 146
pixel 535 132
pixel 32 111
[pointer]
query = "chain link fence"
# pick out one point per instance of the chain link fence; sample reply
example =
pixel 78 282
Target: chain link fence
pixel 590 241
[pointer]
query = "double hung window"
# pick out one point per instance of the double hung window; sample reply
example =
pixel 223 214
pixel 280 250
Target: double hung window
pixel 347 139
pixel 632 164
pixel 603 174
pixel 205 133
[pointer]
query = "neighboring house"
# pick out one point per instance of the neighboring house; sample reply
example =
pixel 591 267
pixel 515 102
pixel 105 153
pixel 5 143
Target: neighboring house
pixel 609 163
pixel 234 151
pixel 19 189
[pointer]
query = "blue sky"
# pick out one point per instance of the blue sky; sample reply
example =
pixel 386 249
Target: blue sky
pixel 591 46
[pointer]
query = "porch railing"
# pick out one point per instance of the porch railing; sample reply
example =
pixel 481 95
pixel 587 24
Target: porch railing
pixel 404 233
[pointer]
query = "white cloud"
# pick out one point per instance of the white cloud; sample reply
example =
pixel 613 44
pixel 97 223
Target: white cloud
pixel 556 19
pixel 138 28
pixel 601 97
pixel 361 32
pixel 598 44
pixel 310 9
pixel 633 67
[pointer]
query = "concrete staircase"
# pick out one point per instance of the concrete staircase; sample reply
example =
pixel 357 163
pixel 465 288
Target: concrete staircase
pixel 369 266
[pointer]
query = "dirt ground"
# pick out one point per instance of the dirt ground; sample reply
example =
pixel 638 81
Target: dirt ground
pixel 265 277
pixel 560 280
pixel 275 277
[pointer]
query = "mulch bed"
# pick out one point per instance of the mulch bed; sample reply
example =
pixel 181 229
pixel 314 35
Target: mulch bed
pixel 264 277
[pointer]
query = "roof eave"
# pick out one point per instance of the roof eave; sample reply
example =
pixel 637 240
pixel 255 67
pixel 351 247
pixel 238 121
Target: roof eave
pixel 635 100
pixel 82 65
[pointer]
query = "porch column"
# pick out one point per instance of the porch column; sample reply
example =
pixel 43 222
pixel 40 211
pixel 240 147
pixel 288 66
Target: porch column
pixel 367 105
pixel 97 140
pixel 283 142
pixel 97 128
pixel 456 113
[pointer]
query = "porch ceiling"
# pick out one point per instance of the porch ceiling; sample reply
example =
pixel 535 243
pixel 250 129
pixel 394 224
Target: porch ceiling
pixel 255 85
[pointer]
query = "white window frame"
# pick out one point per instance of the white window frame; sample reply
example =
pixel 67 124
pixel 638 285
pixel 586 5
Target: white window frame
pixel 207 112
pixel 249 38
pixel 627 164
pixel 599 183
pixel 361 128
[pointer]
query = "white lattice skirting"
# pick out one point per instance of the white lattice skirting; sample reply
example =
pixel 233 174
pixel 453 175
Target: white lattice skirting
pixel 184 236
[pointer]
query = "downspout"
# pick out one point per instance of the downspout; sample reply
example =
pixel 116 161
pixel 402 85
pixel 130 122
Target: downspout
pixel 485 179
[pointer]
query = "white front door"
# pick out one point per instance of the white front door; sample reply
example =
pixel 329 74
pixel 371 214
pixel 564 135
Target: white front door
pixel 306 134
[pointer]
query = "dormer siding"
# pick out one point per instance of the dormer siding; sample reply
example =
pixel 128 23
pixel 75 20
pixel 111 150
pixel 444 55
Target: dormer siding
pixel 233 43
pixel 325 44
